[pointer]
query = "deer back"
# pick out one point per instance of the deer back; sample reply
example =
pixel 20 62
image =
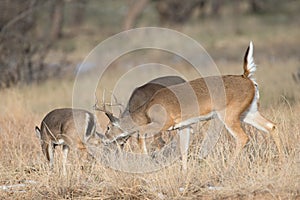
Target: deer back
pixel 194 98
pixel 68 124
pixel 144 93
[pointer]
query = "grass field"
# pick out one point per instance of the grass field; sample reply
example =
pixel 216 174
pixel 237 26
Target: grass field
pixel 258 173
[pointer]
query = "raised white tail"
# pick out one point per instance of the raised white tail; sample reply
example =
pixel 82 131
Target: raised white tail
pixel 249 65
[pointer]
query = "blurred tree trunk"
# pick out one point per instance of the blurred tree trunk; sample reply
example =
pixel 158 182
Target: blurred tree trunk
pixel 57 16
pixel 255 6
pixel 22 47
pixel 78 13
pixel 170 11
pixel 177 11
pixel 133 13
pixel 215 7
pixel 236 13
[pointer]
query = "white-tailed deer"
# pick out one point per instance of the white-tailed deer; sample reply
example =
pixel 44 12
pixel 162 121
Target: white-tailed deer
pixel 142 95
pixel 164 110
pixel 68 127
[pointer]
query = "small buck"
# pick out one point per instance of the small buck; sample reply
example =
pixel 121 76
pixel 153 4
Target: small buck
pixel 142 95
pixel 163 111
pixel 68 127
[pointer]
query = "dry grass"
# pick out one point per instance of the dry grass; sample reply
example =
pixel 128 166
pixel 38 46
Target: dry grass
pixel 258 174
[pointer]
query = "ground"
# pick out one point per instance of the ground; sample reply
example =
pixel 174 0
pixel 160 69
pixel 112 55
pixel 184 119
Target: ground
pixel 258 173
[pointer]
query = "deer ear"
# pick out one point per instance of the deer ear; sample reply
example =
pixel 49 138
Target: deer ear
pixel 112 118
pixel 38 133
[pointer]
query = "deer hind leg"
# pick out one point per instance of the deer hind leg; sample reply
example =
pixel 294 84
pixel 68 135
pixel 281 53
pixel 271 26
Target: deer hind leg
pixel 261 123
pixel 235 129
pixel 65 157
pixel 276 138
pixel 184 141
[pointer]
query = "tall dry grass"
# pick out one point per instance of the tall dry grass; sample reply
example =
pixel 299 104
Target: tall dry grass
pixel 258 173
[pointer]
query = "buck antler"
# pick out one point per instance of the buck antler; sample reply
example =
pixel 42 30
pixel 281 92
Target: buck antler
pixel 109 114
pixel 95 106
pixel 117 104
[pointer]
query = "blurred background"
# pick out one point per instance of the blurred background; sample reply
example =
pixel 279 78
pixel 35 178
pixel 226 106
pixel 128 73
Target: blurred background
pixel 48 40
pixel 43 43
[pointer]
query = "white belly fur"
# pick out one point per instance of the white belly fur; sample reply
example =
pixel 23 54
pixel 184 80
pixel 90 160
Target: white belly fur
pixel 193 120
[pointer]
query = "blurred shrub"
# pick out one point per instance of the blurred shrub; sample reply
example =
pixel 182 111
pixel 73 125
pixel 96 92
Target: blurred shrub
pixel 28 29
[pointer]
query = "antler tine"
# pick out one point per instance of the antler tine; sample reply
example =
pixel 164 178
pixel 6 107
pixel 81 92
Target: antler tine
pixel 103 98
pixel 118 104
pixel 103 107
pixel 96 107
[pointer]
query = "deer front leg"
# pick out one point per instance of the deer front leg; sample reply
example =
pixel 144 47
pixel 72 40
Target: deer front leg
pixel 142 143
pixel 50 154
pixel 184 141
pixel 149 130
